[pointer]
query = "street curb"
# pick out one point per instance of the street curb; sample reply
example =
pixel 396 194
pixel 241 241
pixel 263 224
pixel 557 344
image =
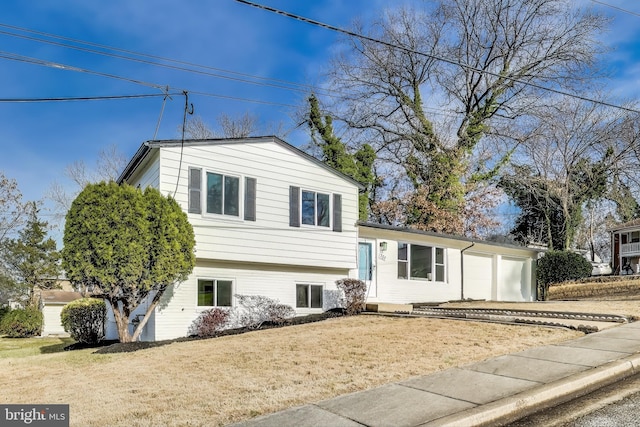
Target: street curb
pixel 513 408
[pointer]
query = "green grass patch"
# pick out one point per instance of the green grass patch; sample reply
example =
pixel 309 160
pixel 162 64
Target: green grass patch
pixel 23 347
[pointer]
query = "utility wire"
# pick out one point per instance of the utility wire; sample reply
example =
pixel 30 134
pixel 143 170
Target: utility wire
pixel 616 7
pixel 281 84
pixel 428 55
pixel 80 98
pixel 29 60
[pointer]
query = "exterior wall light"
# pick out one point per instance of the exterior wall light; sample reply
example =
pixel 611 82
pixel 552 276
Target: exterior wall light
pixel 383 246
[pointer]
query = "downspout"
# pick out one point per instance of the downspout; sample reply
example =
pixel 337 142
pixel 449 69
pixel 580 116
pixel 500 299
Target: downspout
pixel 462 270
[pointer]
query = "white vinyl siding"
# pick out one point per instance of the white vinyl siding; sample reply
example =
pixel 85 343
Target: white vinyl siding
pixel 178 309
pixel 148 175
pixel 270 238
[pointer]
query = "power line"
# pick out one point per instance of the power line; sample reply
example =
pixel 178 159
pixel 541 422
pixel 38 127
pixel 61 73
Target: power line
pixel 428 55
pixel 82 98
pixel 616 7
pixel 279 83
pixel 165 89
pixel 305 87
pixel 29 60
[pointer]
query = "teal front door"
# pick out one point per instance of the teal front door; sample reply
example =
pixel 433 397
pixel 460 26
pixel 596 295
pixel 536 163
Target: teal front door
pixel 366 266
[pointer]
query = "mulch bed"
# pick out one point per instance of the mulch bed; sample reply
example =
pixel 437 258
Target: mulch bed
pixel 108 347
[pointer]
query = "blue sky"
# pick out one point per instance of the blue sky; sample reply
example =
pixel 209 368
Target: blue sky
pixel 39 140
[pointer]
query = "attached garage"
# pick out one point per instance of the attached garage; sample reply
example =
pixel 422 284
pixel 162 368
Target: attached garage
pixel 51 304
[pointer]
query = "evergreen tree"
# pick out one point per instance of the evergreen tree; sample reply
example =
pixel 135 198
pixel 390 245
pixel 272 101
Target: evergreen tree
pixel 358 165
pixel 30 261
pixel 128 247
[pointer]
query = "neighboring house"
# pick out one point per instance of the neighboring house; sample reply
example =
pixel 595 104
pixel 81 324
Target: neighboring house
pixel 271 220
pixel 51 304
pixel 625 248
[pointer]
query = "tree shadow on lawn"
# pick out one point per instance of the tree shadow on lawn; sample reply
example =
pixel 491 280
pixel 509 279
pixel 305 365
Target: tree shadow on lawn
pixel 109 347
pixel 58 347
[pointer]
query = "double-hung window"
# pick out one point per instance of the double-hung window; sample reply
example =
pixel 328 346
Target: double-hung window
pixel 214 293
pixel 315 208
pixel 420 262
pixel 221 194
pixel 308 296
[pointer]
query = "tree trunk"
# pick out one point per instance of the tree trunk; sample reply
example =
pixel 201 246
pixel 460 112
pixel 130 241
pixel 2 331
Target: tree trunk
pixel 147 314
pixel 122 322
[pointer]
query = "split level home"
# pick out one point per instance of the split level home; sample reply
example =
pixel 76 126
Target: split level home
pixel 272 220
pixel 625 248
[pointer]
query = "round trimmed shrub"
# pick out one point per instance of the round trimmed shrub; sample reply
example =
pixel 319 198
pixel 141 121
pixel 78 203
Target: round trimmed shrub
pixel 562 266
pixel 210 322
pixel 84 320
pixel 22 323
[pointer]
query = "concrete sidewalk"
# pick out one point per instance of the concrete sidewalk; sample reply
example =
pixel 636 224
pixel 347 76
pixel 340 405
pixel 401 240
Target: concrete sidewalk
pixel 493 392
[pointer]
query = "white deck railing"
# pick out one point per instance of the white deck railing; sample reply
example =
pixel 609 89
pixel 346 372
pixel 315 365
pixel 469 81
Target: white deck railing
pixel 630 249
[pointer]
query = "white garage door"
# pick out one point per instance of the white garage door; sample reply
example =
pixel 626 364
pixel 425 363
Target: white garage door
pixel 51 317
pixel 515 281
pixel 478 275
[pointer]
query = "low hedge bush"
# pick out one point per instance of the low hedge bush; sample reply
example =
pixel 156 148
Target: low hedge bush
pixel 561 266
pixel 22 323
pixel 84 319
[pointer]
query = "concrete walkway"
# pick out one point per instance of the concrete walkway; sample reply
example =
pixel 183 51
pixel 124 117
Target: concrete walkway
pixel 493 392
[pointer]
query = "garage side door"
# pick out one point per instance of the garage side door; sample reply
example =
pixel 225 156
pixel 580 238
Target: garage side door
pixel 478 275
pixel 515 281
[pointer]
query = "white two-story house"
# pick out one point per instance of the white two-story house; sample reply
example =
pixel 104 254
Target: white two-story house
pixel 271 220
pixel 268 220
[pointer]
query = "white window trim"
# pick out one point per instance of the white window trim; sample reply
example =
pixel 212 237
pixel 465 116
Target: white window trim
pixel 215 294
pixel 433 263
pixel 241 190
pixel 308 309
pixel 315 215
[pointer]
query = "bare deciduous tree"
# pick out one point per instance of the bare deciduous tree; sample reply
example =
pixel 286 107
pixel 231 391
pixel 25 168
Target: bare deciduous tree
pixel 109 165
pixel 229 127
pixel 12 210
pixel 567 163
pixel 393 93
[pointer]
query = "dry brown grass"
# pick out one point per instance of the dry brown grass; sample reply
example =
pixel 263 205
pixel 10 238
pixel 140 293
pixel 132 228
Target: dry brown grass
pixel 608 290
pixel 228 379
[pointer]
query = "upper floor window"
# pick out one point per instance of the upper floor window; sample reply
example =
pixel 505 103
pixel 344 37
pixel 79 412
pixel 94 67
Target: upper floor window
pixel 222 194
pixel 308 207
pixel 420 262
pixel 315 208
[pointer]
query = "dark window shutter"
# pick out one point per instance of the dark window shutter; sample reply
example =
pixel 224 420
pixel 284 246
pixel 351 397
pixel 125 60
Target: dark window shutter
pixel 294 206
pixel 250 199
pixel 337 212
pixel 195 187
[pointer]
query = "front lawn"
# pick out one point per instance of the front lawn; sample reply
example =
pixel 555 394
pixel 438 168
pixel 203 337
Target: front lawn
pixel 231 378
pixel 23 347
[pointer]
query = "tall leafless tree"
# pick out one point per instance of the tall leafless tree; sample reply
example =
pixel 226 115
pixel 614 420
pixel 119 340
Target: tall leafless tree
pixel 109 164
pixel 568 164
pixel 450 75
